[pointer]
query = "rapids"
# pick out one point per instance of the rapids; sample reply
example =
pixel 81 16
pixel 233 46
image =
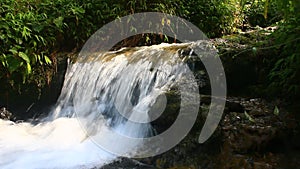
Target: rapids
pixel 117 91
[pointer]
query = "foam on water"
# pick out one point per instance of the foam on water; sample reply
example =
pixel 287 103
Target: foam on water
pixel 58 144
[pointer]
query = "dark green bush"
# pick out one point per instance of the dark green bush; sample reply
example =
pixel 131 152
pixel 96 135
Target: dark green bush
pixel 284 75
pixel 32 31
pixel 28 31
pixel 262 13
pixel 213 17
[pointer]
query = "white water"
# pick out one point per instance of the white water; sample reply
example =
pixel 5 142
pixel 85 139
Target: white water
pixel 96 90
pixel 56 144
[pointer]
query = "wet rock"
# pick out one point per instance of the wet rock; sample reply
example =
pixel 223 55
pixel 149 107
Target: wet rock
pixel 167 118
pixel 228 160
pixel 187 154
pixel 253 129
pixel 240 141
pixel 242 60
pixel 230 106
pixel 126 163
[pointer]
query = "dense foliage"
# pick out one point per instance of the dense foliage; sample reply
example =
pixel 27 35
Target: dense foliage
pixel 30 31
pixel 214 17
pixel 33 31
pixel 284 76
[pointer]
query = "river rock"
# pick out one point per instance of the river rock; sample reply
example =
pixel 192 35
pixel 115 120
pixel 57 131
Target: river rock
pixel 126 163
pixel 253 129
pixel 242 132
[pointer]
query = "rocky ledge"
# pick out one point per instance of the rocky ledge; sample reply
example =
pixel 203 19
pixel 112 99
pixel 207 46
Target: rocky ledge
pixel 252 134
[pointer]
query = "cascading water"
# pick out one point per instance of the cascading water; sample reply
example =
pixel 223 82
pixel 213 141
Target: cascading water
pixel 117 91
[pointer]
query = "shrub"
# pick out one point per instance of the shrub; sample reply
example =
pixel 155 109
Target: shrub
pixel 284 75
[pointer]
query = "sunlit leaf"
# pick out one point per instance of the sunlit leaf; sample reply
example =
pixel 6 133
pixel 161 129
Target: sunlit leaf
pixel 24 57
pixel 28 68
pixel 47 60
pixel 249 117
pixel 276 111
pixel 13 51
pixel 58 21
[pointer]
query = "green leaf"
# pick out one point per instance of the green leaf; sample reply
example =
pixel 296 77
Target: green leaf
pixel 24 57
pixel 276 111
pixel 12 63
pixel 163 21
pixel 58 22
pixel 130 17
pixel 249 117
pixel 28 68
pixel 133 29
pixel 13 51
pixel 2 60
pixel 47 60
pixel 26 32
pixel 38 28
pixel 166 38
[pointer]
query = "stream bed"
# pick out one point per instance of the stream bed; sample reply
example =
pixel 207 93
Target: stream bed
pixel 253 133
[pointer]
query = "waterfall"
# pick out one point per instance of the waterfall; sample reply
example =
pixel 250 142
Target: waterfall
pixel 117 91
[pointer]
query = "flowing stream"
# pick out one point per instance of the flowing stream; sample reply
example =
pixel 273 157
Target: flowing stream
pixel 100 93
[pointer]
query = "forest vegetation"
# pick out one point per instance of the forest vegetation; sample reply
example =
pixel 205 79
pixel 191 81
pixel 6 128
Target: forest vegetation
pixel 40 95
pixel 32 32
